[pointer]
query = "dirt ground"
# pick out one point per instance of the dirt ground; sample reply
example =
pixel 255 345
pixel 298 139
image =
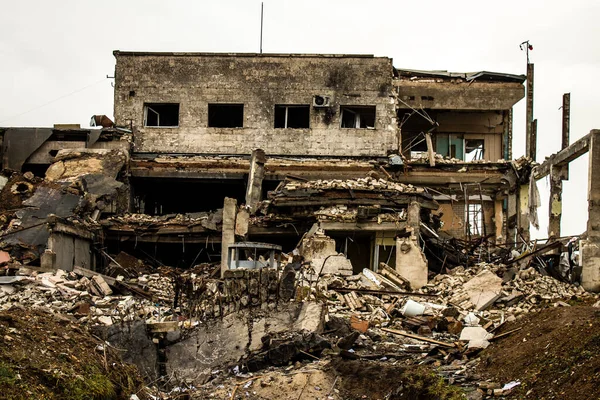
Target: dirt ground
pixel 556 355
pixel 45 356
pixel 335 379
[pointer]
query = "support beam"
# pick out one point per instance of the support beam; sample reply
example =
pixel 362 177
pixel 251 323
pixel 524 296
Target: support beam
pixel 523 214
pixel 498 221
pixel 564 157
pixel 430 152
pixel 533 155
pixel 255 179
pixel 555 206
pixel 511 217
pixel 529 111
pixel 590 248
pixel 566 120
pixel 566 128
pixel 228 234
pixel 410 260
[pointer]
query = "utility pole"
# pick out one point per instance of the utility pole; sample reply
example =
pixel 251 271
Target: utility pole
pixel 529 138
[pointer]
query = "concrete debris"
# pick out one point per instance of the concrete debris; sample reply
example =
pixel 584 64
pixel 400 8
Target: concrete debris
pixel 354 184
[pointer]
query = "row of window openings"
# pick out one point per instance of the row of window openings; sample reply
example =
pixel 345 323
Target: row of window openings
pixel 232 116
pixel 454 146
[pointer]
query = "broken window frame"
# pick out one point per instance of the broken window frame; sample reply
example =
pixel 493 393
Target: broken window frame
pixel 358 116
pixel 151 107
pixel 231 106
pixel 478 153
pixel 474 219
pixel 287 108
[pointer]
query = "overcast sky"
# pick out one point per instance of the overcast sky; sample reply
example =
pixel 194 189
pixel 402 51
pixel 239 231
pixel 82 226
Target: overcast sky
pixel 55 55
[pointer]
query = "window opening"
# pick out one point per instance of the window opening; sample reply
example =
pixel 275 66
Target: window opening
pixel 292 116
pixel 475 218
pixel 161 114
pixel 358 117
pixel 474 149
pixel 225 115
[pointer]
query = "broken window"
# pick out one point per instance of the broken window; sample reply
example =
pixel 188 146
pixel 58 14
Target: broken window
pixel 358 117
pixel 292 116
pixel 474 149
pixel 225 115
pixel 161 114
pixel 474 219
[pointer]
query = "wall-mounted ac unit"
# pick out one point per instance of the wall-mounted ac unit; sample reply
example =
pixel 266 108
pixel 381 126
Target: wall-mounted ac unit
pixel 321 101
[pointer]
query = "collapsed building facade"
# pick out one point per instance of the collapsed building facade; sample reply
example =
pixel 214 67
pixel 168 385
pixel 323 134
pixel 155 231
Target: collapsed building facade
pixel 341 162
pixel 289 130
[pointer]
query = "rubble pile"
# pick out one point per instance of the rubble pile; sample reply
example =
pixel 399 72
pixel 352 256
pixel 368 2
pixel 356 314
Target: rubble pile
pixel 521 291
pixel 368 183
pixel 208 220
pixel 343 213
pixel 91 301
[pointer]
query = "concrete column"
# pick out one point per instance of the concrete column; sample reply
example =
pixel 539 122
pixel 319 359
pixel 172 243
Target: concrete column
pixel 522 215
pixel 228 234
pixel 590 248
pixel 410 260
pixel 498 221
pixel 255 179
pixel 511 217
pixel 413 217
pixel 555 205
pixel 529 111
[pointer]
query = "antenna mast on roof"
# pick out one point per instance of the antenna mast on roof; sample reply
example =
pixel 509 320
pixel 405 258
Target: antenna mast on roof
pixel 261 24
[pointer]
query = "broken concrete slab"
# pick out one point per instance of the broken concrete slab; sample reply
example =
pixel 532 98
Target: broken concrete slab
pixel 317 247
pixel 333 265
pixel 411 262
pixel 474 333
pixel 484 289
pixel 73 163
pixel 222 342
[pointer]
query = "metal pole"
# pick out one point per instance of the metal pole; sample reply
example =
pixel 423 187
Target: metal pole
pixel 529 112
pixel 261 25
pixel 566 116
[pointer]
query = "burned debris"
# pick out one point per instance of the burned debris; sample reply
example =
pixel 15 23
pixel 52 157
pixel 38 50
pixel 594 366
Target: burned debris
pixel 368 218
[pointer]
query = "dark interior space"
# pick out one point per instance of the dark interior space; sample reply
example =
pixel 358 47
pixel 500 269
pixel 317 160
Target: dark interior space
pixel 161 114
pixel 180 255
pixel 474 149
pixel 160 196
pixel 287 242
pixel 225 115
pixel 268 186
pixel 292 116
pixel 413 126
pixel 38 170
pixel 356 246
pixel 358 116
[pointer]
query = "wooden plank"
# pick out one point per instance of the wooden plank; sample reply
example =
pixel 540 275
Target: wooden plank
pixel 417 337
pixel 389 292
pixel 500 336
pixel 88 273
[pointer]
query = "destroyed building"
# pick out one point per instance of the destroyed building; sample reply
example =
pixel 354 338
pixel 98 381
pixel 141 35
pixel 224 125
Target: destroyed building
pixel 236 182
pixel 196 118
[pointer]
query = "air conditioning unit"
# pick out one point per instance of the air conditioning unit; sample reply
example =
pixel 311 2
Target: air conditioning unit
pixel 321 101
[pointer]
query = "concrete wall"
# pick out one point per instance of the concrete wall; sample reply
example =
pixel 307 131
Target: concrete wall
pixel 459 95
pixel 259 82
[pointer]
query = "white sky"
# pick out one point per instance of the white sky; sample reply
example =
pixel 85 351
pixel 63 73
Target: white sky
pixel 55 55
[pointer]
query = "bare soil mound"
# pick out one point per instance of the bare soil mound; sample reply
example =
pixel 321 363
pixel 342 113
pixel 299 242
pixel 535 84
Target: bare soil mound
pixel 45 356
pixel 555 355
